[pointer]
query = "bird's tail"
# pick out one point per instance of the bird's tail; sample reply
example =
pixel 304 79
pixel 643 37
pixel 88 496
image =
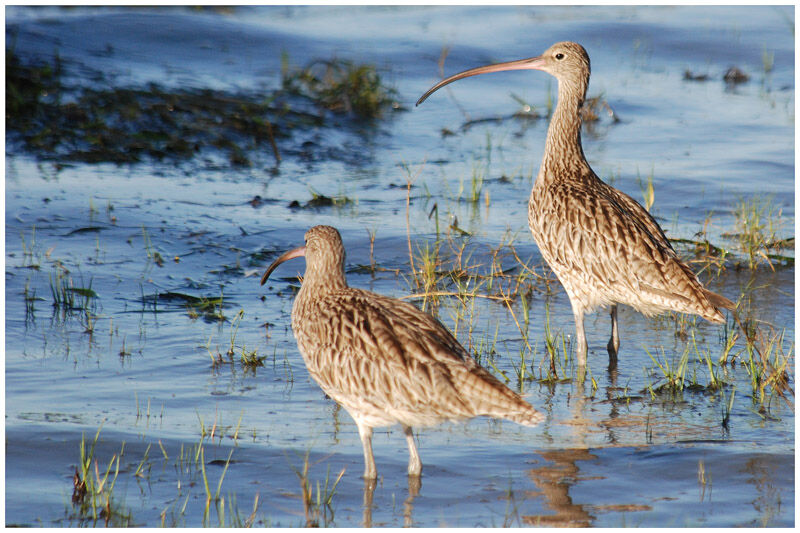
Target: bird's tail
pixel 489 396
pixel 719 302
pixel 526 415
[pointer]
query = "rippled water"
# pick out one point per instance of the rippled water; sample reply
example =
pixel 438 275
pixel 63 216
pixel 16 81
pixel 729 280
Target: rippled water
pixel 608 454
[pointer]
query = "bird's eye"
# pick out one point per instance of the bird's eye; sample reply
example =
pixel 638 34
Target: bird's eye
pixel 559 56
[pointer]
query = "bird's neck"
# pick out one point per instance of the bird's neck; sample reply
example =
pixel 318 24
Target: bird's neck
pixel 563 154
pixel 318 283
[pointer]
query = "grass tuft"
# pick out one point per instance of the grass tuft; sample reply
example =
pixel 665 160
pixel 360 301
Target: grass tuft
pixel 758 223
pixel 317 503
pixel 341 86
pixel 93 489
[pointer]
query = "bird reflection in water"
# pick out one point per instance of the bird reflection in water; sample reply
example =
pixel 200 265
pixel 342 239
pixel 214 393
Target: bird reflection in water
pixel 554 482
pixel 414 486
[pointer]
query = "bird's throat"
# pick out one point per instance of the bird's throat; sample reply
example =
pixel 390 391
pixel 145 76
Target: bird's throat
pixel 563 154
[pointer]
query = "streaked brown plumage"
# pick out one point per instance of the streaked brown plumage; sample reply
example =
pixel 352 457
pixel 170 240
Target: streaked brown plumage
pixel 604 247
pixel 385 361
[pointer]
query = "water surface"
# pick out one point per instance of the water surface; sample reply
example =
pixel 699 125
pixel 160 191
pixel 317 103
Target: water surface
pixel 609 453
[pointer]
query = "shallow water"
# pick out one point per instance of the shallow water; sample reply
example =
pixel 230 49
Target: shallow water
pixel 608 455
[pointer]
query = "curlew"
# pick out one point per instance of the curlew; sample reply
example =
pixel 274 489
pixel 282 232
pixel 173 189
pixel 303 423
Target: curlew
pixel 383 360
pixel 603 246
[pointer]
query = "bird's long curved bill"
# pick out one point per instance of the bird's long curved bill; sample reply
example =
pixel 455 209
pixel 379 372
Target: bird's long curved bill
pixel 291 254
pixel 531 63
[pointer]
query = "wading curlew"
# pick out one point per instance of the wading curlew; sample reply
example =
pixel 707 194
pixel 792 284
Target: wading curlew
pixel 383 360
pixel 604 247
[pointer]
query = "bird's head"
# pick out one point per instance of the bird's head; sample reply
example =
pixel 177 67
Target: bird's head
pixel 567 61
pixel 324 253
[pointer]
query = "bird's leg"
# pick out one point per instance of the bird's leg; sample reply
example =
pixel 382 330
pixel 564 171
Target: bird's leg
pixel 581 349
pixel 414 462
pixel 369 491
pixel 365 432
pixel 613 342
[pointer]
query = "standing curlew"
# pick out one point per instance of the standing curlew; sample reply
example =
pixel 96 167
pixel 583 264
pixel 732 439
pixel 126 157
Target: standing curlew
pixel 383 360
pixel 604 247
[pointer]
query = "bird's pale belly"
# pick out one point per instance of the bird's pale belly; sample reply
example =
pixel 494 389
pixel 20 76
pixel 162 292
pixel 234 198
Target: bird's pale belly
pixel 574 271
pixel 583 290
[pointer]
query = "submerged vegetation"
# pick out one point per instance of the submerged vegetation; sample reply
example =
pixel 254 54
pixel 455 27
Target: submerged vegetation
pixel 63 123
